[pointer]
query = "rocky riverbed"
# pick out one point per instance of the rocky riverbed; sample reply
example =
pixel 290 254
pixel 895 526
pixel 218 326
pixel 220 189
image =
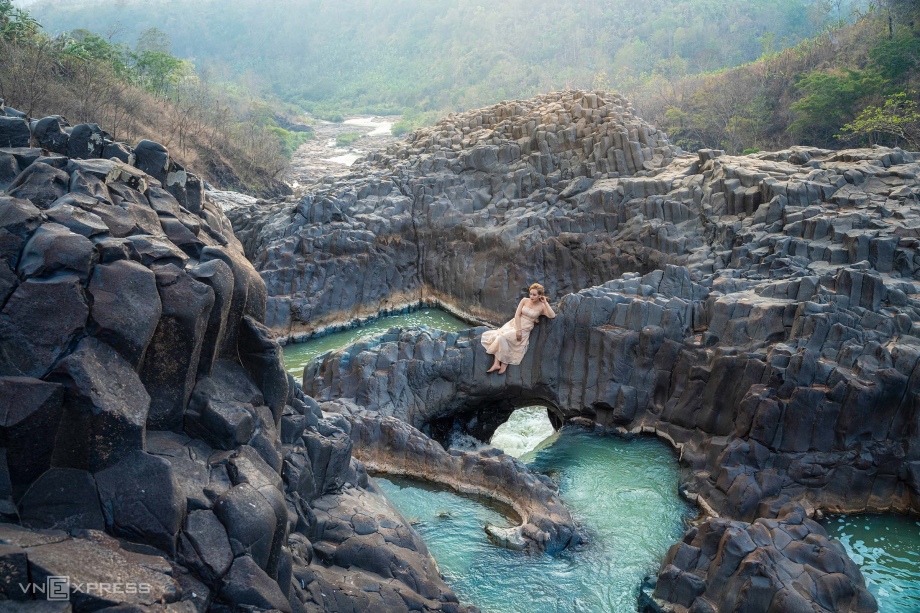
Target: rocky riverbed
pixel 757 312
pixel 324 157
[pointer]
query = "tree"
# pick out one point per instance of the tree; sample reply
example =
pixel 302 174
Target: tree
pixel 15 24
pixel 157 71
pixel 898 117
pixel 153 40
pixel 829 102
pixel 896 58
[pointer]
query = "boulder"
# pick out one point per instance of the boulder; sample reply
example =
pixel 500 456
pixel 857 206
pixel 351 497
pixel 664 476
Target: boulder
pixel 141 500
pixel 126 308
pixel 204 546
pixel 49 134
pixel 153 158
pixel 171 365
pixel 30 410
pixel 14 132
pixel 105 408
pixel 52 249
pixel 250 521
pixel 87 140
pixel 41 184
pixel 38 323
pixel 247 585
pixel 62 499
pixel 99 561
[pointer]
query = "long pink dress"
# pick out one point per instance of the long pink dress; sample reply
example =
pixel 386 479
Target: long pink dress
pixel 503 343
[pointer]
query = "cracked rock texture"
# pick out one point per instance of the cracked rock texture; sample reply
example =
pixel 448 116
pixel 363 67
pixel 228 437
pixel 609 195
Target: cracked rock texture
pixel 152 447
pixel 760 312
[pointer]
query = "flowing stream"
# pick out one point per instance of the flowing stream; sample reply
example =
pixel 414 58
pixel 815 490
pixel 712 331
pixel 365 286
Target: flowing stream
pixel 887 550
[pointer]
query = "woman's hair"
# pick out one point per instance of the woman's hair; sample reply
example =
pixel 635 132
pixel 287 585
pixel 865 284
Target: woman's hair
pixel 538 287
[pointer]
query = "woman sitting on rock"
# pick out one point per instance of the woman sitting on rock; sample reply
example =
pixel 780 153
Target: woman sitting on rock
pixel 509 343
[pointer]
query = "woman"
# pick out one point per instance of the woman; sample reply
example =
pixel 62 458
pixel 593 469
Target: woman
pixel 509 343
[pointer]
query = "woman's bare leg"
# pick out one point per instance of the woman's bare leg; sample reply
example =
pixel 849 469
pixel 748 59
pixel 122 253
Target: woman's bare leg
pixel 495 366
pixel 501 370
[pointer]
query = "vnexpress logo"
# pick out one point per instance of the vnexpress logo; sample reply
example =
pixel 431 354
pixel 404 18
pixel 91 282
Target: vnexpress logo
pixel 58 589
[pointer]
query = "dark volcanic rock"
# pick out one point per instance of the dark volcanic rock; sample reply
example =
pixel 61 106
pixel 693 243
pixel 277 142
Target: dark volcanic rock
pixel 30 410
pixel 49 134
pixel 205 546
pixel 723 564
pixel 392 446
pixel 126 303
pixel 105 408
pixel 38 323
pixel 219 277
pixel 41 184
pixel 247 584
pixel 250 522
pixel 87 140
pixel 434 215
pixel 760 312
pixel 126 308
pixel 171 364
pixel 142 501
pixel 14 132
pixel 90 562
pixel 63 499
pixel 54 248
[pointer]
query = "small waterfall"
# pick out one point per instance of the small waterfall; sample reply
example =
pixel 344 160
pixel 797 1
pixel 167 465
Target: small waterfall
pixel 527 430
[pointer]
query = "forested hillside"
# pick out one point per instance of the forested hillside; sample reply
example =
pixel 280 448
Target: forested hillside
pixel 230 136
pixel 427 55
pixel 856 84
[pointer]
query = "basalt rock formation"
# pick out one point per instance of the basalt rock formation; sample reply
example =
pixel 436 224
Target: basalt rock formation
pixel 759 312
pixel 394 447
pixel 153 449
pixel 464 211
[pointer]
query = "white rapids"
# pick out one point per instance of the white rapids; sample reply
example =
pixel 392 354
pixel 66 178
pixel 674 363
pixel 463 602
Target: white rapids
pixel 527 430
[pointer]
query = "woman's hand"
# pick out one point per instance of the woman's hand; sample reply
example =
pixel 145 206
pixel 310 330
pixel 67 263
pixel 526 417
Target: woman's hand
pixel 520 335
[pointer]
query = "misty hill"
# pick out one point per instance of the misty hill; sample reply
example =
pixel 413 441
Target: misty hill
pixel 427 55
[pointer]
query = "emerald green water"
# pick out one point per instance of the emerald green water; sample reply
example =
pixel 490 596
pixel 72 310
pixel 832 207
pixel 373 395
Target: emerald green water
pixel 297 355
pixel 624 493
pixel 887 550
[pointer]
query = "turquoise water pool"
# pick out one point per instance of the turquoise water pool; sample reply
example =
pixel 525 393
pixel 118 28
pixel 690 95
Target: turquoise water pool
pixel 623 492
pixel 887 550
pixel 297 355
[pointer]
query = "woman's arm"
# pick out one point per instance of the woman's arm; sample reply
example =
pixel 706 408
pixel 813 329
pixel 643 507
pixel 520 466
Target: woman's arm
pixel 517 318
pixel 547 310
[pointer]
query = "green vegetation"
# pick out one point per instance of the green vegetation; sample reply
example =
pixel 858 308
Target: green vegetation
pixel 741 76
pixel 416 56
pixel 898 118
pixel 850 85
pixel 225 133
pixel 348 139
